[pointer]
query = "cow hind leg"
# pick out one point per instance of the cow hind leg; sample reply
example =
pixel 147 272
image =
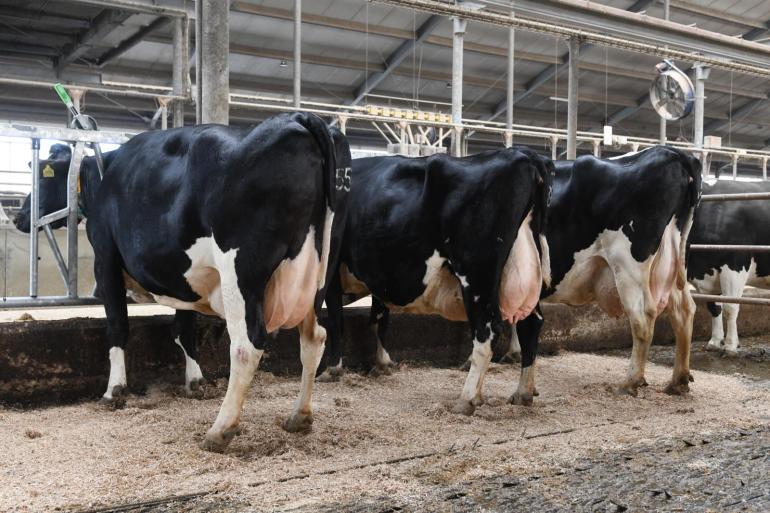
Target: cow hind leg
pixel 732 283
pixel 513 353
pixel 528 331
pixel 246 326
pixel 681 312
pixel 336 327
pixel 632 281
pixel 379 319
pixel 184 321
pixel 481 323
pixel 717 328
pixel 312 339
pixel 108 268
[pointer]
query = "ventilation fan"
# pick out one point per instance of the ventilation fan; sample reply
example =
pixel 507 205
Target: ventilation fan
pixel 671 93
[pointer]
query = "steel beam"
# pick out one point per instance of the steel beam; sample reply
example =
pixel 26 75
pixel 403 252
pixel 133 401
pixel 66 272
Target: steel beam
pixel 180 73
pixel 36 18
pixel 213 51
pixel 572 98
pixel 102 25
pixel 510 84
pixel 735 116
pixel 133 40
pixel 174 8
pixel 458 33
pixel 297 53
pixel 395 59
pixel 701 75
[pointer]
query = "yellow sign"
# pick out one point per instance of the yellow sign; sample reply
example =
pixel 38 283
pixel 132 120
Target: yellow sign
pixel 48 171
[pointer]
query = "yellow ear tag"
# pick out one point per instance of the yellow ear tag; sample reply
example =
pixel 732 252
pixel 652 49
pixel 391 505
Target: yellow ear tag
pixel 48 171
pixel 78 184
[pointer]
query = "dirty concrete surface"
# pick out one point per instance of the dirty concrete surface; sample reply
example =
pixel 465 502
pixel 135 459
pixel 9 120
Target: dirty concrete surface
pixel 390 444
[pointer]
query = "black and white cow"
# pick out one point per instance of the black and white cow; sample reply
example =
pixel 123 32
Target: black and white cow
pixel 458 237
pixel 235 223
pixel 728 272
pixel 617 231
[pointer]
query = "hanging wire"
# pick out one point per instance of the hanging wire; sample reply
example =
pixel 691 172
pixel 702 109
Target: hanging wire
pixel 606 74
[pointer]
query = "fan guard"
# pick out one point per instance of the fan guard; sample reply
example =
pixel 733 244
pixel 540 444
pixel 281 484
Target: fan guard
pixel 671 93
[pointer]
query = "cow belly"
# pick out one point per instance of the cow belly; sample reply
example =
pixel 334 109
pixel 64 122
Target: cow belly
pixel 293 286
pixel 522 276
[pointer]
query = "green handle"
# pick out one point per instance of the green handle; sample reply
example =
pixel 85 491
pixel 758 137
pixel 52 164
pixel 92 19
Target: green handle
pixel 63 95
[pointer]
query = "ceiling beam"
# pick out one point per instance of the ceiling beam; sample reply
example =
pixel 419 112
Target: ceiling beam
pixel 132 41
pixel 36 19
pixel 736 116
pixel 104 23
pixel 396 58
pixel 551 71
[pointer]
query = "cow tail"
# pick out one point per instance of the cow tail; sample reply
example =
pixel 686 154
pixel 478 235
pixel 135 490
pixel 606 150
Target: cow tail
pixel 694 177
pixel 323 137
pixel 545 173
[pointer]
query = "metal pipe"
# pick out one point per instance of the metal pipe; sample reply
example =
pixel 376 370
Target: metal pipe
pixel 34 211
pixel 459 26
pixel 213 51
pixel 134 6
pixel 297 53
pixel 72 219
pixel 742 196
pixel 180 69
pixel 666 16
pixel 85 87
pixel 198 61
pixel 712 298
pixel 56 253
pixel 572 98
pixel 45 301
pixel 701 74
pixel 729 247
pixel 509 85
pixel 764 168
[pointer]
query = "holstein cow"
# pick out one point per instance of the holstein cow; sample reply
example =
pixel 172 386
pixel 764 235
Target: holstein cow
pixel 728 272
pixel 617 231
pixel 235 223
pixel 458 237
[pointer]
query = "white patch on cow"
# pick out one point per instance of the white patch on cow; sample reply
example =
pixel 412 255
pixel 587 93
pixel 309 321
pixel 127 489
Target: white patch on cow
pixel 192 370
pixel 382 356
pixel 463 280
pixel 325 247
pixel 521 278
pixel 476 299
pixel 442 294
pixel 117 370
pixel 514 347
pixel 545 260
pixel 631 225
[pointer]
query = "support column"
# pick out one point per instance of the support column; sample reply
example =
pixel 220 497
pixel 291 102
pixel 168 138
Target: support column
pixel 181 68
pixel 701 74
pixel 198 60
pixel 459 26
pixel 163 101
pixel 666 16
pixel 572 98
pixel 509 86
pixel 214 49
pixel 297 53
pixel 76 94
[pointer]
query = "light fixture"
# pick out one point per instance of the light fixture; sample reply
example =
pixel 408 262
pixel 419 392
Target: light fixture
pixel 449 85
pixel 283 63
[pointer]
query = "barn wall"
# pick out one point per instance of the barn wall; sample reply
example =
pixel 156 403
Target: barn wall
pixel 62 361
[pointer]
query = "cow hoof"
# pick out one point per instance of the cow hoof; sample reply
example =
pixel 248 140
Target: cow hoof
pixel 331 375
pixel 521 399
pixel 478 401
pixel 118 399
pixel 298 423
pixel 466 366
pixel 690 377
pixel 385 369
pixel 195 389
pixel 535 392
pixel 627 389
pixel 714 346
pixel 218 442
pixel 680 385
pixel 463 407
pixel 731 353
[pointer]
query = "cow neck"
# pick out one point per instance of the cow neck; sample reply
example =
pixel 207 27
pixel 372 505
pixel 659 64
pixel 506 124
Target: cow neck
pixel 88 182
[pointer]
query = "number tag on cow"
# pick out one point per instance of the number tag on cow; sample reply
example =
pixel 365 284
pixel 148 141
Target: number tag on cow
pixel 342 181
pixel 48 171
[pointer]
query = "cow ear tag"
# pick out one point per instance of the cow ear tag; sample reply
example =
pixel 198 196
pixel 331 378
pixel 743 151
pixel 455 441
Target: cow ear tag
pixel 48 171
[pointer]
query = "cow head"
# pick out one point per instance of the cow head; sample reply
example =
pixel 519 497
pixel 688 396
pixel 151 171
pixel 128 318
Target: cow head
pixel 52 194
